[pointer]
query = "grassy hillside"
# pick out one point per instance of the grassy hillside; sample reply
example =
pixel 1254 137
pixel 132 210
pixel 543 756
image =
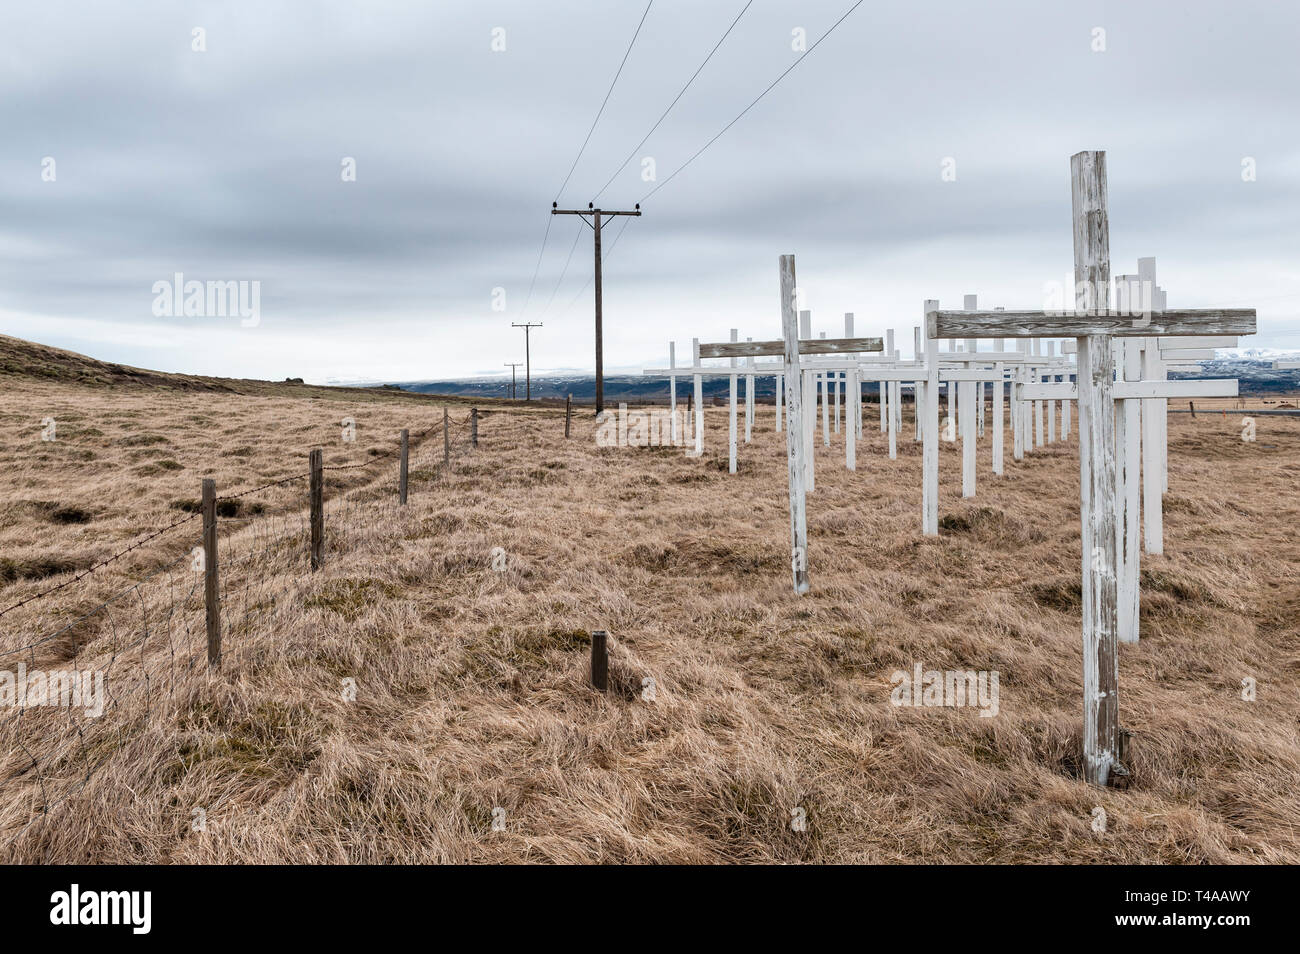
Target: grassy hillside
pixel 22 360
pixel 471 702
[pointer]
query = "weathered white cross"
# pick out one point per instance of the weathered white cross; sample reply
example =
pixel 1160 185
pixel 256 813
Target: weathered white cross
pixel 1094 326
pixel 816 346
pixel 799 375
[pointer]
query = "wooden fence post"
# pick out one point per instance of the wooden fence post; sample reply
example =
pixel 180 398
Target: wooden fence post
pixel 401 480
pixel 446 438
pixel 473 427
pixel 317 494
pixel 600 659
pixel 568 413
pixel 211 592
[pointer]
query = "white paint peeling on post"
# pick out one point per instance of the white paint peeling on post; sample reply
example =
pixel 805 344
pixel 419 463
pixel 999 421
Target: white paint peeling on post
pixel 749 401
pixel 672 390
pixel 809 422
pixel 850 412
pixel 1051 405
pixel 731 415
pixel 917 386
pixel 1128 464
pixel 1153 437
pixel 699 398
pixel 1096 471
pixel 794 435
pixel 999 467
pixel 1038 405
pixel 930 433
pixel 824 384
pixel 967 415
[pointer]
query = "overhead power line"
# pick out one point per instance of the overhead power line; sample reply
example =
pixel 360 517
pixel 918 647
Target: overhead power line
pixel 547 234
pixel 538 267
pixel 754 103
pixel 605 101
pixel 564 271
pixel 679 95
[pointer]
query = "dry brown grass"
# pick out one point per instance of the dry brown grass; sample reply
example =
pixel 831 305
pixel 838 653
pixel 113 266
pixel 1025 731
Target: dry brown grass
pixel 471 684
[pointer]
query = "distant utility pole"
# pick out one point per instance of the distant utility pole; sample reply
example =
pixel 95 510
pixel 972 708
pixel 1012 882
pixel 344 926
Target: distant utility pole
pixel 528 367
pixel 512 365
pixel 600 345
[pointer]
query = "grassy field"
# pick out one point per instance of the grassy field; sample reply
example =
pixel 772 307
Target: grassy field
pixel 472 708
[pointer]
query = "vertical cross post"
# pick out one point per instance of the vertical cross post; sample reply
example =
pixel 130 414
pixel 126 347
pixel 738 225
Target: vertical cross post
pixel 473 427
pixel 852 397
pixel 918 387
pixel 930 433
pixel 731 416
pixel 446 438
pixel 672 389
pixel 699 398
pixel 749 401
pixel 809 423
pixel 1096 472
pixel 968 415
pixel 1128 466
pixel 999 468
pixel 568 413
pixel 1153 481
pixel 794 431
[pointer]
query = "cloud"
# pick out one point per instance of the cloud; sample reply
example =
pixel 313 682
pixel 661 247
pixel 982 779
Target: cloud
pixel 225 165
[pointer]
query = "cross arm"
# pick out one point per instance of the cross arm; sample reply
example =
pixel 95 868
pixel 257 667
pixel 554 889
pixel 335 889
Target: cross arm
pixel 1047 324
pixel 744 349
pixel 1122 390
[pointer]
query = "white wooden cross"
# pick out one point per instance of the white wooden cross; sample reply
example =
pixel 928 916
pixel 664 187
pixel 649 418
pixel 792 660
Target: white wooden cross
pixel 1094 325
pixel 800 373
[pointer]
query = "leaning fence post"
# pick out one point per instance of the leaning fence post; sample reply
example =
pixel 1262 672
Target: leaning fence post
pixel 446 438
pixel 600 659
pixel 568 412
pixel 401 480
pixel 473 427
pixel 317 494
pixel 211 593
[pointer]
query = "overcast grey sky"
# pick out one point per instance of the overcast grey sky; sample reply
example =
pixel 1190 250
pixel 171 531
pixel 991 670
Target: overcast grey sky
pixel 226 165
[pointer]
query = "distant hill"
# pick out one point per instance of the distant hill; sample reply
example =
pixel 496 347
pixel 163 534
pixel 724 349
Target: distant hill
pixel 1257 375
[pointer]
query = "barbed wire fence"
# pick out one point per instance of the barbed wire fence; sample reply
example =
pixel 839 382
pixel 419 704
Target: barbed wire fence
pixel 136 645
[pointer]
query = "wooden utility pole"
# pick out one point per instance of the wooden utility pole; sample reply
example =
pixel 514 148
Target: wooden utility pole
pixel 513 389
pixel 600 341
pixel 528 369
